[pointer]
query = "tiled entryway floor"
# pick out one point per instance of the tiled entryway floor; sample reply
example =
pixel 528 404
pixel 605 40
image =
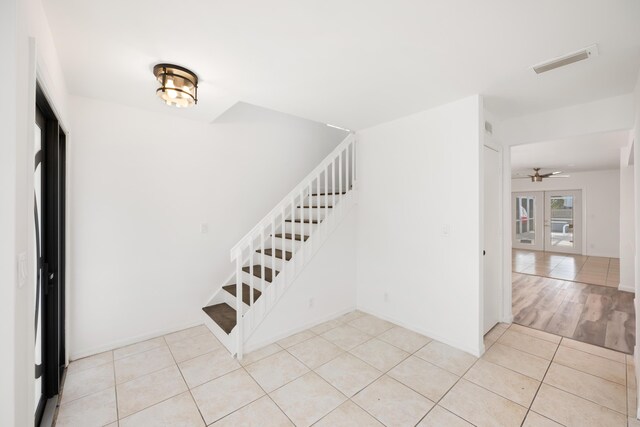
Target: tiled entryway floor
pixel 577 268
pixel 356 370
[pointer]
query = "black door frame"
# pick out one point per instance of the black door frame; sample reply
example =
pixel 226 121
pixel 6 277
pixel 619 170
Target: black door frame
pixel 51 264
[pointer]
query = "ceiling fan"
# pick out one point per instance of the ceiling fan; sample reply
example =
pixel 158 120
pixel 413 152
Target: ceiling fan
pixel 538 177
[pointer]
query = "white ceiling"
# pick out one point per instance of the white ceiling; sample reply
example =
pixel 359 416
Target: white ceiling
pixel 351 63
pixel 584 153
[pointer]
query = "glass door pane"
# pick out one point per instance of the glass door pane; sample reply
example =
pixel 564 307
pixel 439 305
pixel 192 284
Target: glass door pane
pixel 527 213
pixel 525 220
pixel 561 221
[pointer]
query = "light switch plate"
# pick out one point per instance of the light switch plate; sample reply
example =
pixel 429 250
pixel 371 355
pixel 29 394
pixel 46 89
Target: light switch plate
pixel 22 269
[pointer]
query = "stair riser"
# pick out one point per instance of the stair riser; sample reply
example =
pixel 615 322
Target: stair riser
pixel 286 244
pixel 297 228
pixel 311 213
pixel 229 341
pixel 246 277
pixel 231 300
pixel 257 259
pixel 322 200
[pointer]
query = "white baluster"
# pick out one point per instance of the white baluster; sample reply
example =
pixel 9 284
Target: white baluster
pixel 326 197
pixel 293 235
pixel 263 275
pixel 284 253
pixel 340 173
pixel 251 300
pixel 348 166
pixel 239 322
pixel 333 184
pixel 273 254
pixel 353 162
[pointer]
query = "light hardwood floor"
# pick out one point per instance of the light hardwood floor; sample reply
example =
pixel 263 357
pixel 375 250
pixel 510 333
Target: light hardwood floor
pixel 577 268
pixel 595 314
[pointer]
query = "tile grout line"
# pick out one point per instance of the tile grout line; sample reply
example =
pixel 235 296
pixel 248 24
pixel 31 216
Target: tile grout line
pixel 115 390
pixel 185 383
pixel 541 382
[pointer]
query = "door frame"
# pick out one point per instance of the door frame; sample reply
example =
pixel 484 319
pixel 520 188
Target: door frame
pixel 499 256
pixel 54 247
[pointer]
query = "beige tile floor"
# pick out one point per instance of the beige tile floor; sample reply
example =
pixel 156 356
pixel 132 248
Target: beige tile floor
pixel 356 370
pixel 578 268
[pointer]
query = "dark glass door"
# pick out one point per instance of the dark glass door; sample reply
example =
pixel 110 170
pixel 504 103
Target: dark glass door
pixel 49 186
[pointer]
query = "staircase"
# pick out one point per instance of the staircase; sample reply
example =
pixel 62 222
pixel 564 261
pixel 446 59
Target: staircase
pixel 270 257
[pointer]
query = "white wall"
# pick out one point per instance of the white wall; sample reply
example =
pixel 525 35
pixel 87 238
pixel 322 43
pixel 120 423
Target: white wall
pixel 141 185
pixel 601 201
pixel 325 289
pixel 26 47
pixel 8 145
pixel 635 136
pixel 603 115
pixel 627 221
pixel 417 176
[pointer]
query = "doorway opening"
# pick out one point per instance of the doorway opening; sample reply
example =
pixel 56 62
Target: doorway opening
pixel 565 215
pixel 49 231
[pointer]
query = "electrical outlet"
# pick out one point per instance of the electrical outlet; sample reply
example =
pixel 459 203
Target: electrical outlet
pixel 446 230
pixel 204 228
pixel 386 297
pixel 310 302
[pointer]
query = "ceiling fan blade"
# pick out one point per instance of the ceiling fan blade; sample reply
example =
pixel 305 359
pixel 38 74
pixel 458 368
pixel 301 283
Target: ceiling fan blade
pixel 546 175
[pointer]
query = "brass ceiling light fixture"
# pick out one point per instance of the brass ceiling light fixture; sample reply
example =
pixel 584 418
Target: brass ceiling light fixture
pixel 178 85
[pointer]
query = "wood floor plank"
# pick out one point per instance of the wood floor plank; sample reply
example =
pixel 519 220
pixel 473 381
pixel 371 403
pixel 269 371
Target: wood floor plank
pixel 586 312
pixel 617 336
pixel 565 320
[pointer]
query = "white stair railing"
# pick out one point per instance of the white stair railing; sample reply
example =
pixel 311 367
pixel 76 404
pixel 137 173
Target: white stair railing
pixel 329 187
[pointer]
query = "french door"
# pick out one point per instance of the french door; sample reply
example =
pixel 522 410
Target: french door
pixel 48 311
pixel 548 221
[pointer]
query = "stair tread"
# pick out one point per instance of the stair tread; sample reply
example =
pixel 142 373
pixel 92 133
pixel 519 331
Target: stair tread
pixel 246 292
pixel 315 207
pixel 288 255
pixel 257 271
pixel 223 314
pixel 306 221
pixel 289 236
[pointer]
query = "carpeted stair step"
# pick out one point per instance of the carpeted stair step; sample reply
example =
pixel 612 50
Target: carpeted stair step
pixel 290 236
pixel 246 292
pixel 223 314
pixel 288 255
pixel 257 271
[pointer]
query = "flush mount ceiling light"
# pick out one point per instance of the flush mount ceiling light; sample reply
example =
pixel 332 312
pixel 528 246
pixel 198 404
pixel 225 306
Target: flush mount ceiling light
pixel 178 86
pixel 570 58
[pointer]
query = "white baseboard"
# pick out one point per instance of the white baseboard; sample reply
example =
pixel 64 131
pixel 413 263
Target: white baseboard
pixel 473 351
pixel 265 342
pixel 75 355
pixel 507 319
pixel 622 287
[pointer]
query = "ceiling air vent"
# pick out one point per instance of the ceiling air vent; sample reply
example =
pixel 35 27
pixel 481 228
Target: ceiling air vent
pixel 580 55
